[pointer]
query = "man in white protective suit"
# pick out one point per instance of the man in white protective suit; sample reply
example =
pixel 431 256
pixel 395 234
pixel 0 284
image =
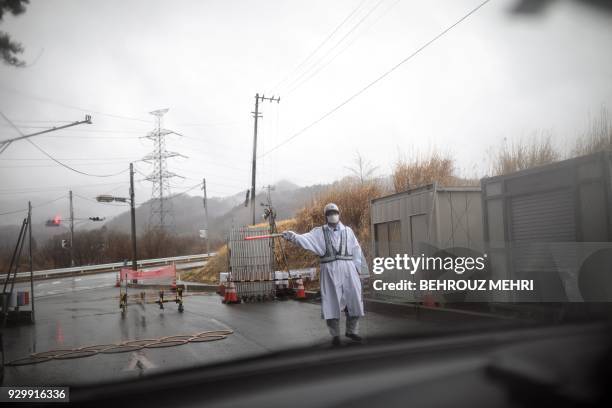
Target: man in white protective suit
pixel 340 258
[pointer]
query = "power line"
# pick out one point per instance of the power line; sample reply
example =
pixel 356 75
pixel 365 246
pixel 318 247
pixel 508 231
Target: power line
pixel 4 144
pixel 221 145
pixel 34 206
pixel 51 188
pixel 27 138
pixel 378 79
pixel 336 55
pixel 185 191
pixel 92 137
pixel 79 130
pixel 213 124
pixel 72 168
pixel 301 64
pixel 29 166
pixel 69 159
pixel 39 121
pixel 65 105
pixel 330 50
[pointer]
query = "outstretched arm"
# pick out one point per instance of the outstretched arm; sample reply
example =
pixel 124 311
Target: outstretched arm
pixel 312 241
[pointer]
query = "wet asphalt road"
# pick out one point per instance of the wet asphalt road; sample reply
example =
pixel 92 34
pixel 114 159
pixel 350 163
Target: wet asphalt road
pixel 81 311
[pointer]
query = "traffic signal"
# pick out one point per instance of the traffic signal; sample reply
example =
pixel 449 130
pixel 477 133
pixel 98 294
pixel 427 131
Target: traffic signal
pixel 65 243
pixel 97 218
pixel 54 222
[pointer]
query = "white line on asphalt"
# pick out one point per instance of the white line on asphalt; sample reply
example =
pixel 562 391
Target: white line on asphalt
pixel 139 361
pixel 225 326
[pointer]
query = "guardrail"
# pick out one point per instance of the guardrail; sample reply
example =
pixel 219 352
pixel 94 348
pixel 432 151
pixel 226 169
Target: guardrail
pixel 87 269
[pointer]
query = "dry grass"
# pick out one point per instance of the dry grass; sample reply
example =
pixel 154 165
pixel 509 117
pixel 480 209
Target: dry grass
pixel 422 170
pixel 209 273
pixel 597 137
pixel 520 154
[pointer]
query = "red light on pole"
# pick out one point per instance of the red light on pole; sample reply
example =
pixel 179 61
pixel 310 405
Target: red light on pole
pixel 54 222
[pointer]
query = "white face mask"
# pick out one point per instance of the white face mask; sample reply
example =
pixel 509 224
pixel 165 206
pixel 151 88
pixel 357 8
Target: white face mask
pixel 333 218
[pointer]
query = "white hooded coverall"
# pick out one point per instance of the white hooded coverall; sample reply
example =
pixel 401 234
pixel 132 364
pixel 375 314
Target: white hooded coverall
pixel 340 284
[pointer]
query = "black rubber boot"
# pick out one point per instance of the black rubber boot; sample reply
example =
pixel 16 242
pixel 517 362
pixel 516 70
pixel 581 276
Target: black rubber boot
pixel 353 337
pixel 336 341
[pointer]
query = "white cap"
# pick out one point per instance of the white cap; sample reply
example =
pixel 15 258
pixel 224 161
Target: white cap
pixel 331 207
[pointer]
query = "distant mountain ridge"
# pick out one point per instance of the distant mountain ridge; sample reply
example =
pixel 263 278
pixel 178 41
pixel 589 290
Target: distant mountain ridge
pixel 287 198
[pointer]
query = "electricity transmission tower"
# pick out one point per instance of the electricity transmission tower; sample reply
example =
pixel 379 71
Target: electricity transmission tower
pixel 161 207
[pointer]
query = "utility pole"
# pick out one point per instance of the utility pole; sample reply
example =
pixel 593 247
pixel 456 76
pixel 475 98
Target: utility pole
pixel 106 198
pixel 31 259
pixel 71 231
pixel 257 115
pixel 206 217
pixel 133 218
pixel 5 143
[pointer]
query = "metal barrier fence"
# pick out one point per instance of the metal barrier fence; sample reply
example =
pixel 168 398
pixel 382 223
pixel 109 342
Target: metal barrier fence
pixel 252 263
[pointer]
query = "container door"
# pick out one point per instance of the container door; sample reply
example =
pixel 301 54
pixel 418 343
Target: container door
pixel 418 232
pixel 537 220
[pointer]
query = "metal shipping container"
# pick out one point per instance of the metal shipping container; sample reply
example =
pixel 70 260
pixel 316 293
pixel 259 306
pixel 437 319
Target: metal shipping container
pixel 544 223
pixel 430 220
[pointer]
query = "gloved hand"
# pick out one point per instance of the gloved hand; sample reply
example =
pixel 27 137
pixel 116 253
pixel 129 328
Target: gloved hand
pixel 289 235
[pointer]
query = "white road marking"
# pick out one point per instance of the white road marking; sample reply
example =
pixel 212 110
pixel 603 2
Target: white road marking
pixel 56 282
pixel 139 361
pixel 225 326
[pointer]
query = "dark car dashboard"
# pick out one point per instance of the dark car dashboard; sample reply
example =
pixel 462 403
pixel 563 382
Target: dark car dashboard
pixel 565 365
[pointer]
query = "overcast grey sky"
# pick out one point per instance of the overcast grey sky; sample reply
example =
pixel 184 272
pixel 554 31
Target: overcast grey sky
pixel 496 75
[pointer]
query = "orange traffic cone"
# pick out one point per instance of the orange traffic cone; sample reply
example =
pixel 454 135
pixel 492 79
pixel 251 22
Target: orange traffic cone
pixel 230 294
pixel 300 293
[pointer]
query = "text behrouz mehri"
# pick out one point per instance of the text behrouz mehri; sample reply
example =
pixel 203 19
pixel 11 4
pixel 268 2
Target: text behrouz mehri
pixel 456 285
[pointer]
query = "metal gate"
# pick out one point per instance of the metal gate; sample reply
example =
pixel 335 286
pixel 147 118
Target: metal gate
pixel 252 263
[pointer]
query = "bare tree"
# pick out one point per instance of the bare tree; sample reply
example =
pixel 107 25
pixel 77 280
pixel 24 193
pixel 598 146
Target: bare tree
pixel 362 169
